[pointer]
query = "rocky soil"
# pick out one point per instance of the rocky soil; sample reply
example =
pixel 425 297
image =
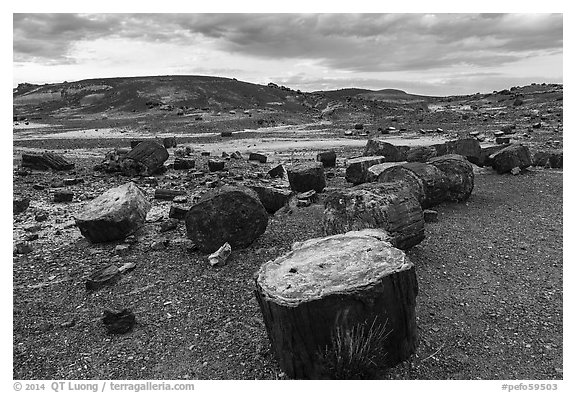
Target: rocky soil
pixel 490 270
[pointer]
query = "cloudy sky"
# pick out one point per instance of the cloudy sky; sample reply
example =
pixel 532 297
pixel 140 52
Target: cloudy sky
pixel 435 54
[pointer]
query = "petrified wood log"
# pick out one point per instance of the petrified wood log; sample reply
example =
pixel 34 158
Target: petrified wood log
pixel 357 170
pixel 228 214
pixel 329 294
pixel 420 154
pixel 113 215
pixel 460 175
pixel 145 159
pixel 166 194
pixel 428 183
pixel 516 155
pixel 327 158
pixel 307 176
pixel 388 206
pixel 467 147
pixel 46 160
pixel 390 152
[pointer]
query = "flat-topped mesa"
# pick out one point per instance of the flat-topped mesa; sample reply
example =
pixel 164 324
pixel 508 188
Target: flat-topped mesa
pixel 460 174
pixel 428 184
pixel 387 206
pixel 334 284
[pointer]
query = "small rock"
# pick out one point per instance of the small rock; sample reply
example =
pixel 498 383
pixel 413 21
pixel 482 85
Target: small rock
pixel 215 165
pixel 41 216
pixel 121 249
pixel 20 204
pixel 119 322
pixel 219 257
pixel 277 171
pixel 430 215
pixel 68 324
pixel 205 153
pixel 170 224
pixel 257 157
pixel 73 181
pixel 180 199
pixel 515 171
pixel 39 187
pixel 63 196
pixel 22 248
pixel 32 237
pixel 236 155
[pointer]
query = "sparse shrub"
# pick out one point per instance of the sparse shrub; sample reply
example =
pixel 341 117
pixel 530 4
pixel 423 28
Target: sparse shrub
pixel 356 352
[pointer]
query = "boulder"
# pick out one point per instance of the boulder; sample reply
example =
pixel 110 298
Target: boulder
pixel 487 151
pixel 113 215
pixel 390 152
pixel 516 155
pixel 307 176
pixel 357 169
pixel 228 214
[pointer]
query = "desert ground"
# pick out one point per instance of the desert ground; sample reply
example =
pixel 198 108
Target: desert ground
pixel 490 270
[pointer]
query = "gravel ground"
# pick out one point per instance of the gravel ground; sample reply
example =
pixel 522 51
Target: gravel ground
pixel 489 303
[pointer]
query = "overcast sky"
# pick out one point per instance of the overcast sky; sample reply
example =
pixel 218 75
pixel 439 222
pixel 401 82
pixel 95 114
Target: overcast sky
pixel 430 54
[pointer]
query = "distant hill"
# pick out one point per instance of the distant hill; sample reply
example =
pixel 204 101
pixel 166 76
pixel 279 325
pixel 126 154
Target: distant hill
pixel 137 93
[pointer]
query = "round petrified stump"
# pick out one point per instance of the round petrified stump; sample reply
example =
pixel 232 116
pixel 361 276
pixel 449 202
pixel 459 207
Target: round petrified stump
pixel 307 176
pixel 228 214
pixel 331 294
pixel 460 175
pixel 389 206
pixel 428 183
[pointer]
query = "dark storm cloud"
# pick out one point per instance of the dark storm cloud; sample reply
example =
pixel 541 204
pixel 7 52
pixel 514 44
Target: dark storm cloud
pixel 355 42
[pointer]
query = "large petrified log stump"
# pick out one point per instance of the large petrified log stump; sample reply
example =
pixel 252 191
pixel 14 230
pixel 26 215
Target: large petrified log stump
pixel 307 176
pixel 113 215
pixel 460 175
pixel 327 158
pixel 46 160
pixel 228 214
pixel 388 206
pixel 428 183
pixel 145 159
pixel 390 152
pixel 516 155
pixel 357 169
pixel 330 294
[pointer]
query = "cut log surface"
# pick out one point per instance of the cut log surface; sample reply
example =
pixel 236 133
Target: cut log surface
pixel 516 155
pixel 375 170
pixel 388 206
pixel 145 159
pixel 460 174
pixel 427 183
pixel 45 161
pixel 337 283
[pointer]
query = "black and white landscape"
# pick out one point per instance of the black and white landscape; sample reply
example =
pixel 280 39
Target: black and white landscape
pixel 286 196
